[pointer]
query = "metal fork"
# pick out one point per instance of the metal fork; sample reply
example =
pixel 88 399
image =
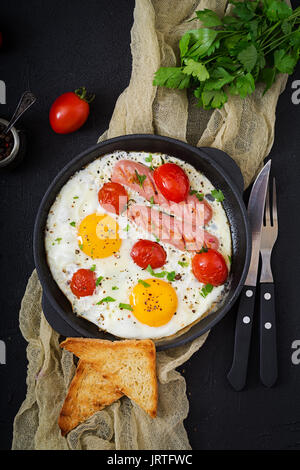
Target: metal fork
pixel 268 347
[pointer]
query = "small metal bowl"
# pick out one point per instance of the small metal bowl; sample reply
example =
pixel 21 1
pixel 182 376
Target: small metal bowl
pixel 16 155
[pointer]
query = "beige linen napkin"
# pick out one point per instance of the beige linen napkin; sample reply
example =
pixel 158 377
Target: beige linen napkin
pixel 243 129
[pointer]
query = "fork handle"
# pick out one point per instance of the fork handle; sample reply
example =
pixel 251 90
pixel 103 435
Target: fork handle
pixel 268 346
pixel 238 373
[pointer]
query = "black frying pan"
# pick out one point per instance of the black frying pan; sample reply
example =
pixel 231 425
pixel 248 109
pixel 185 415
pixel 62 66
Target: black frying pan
pixel 219 169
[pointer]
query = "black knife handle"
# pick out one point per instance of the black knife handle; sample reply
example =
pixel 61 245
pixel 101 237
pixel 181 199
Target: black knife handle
pixel 268 346
pixel 243 329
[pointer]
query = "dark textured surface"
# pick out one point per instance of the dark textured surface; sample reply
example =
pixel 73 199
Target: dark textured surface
pixel 56 46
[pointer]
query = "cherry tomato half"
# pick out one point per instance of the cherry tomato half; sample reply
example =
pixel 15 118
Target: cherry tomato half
pixel 113 197
pixel 145 252
pixel 70 111
pixel 83 283
pixel 172 182
pixel 210 267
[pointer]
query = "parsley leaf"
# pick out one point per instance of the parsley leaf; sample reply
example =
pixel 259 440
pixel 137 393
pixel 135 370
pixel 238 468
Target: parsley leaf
pixel 243 86
pixel 106 299
pixel 214 99
pixel 93 268
pixel 206 290
pixel 171 276
pixel 73 224
pixel 154 274
pixel 218 195
pixel 198 195
pixel 145 284
pixel 99 279
pixel 278 10
pixel 171 77
pixel 140 178
pixel 209 18
pixel 285 63
pixel 196 69
pixel 114 288
pixel 125 306
pixel 184 264
pixel 248 57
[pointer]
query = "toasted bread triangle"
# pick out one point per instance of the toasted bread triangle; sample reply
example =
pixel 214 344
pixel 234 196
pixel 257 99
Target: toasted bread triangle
pixel 129 365
pixel 89 392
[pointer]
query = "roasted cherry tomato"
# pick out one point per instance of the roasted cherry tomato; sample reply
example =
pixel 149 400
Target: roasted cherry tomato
pixel 83 283
pixel 113 197
pixel 172 182
pixel 70 111
pixel 145 252
pixel 210 267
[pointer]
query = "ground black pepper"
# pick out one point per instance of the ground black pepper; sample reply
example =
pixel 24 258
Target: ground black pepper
pixel 6 143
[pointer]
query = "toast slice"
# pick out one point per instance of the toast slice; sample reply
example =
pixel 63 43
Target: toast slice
pixel 129 365
pixel 89 392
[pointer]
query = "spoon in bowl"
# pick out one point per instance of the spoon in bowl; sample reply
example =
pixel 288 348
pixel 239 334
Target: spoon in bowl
pixel 27 100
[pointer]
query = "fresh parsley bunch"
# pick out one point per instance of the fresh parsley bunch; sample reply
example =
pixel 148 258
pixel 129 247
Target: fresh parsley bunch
pixel 230 55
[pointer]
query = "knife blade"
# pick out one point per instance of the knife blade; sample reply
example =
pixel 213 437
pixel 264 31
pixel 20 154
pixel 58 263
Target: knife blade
pixel 238 372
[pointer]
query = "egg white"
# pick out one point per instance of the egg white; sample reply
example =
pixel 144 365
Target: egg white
pixel 79 198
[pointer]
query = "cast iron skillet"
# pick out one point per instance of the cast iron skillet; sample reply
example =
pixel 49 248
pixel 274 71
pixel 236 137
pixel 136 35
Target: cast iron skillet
pixel 202 159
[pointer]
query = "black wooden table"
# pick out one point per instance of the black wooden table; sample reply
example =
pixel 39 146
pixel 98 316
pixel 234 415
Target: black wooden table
pixel 57 46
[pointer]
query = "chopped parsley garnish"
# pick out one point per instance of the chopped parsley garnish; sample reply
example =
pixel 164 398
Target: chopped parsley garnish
pixel 126 306
pixel 126 228
pixel 198 195
pixel 73 224
pixel 75 197
pixel 99 279
pixel 204 249
pixel 171 276
pixel 229 257
pixel 115 288
pixel 184 264
pixel 218 195
pixel 145 284
pixel 58 240
pixel 206 290
pixel 151 200
pixel 159 275
pixel 93 267
pixel 106 299
pixel 141 178
pixel 81 246
pixel 149 159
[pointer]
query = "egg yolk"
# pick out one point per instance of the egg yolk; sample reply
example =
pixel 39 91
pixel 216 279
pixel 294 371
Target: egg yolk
pixel 154 304
pixel 99 236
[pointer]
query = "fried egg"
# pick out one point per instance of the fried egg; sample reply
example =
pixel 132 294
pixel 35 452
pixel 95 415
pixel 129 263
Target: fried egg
pixel 128 301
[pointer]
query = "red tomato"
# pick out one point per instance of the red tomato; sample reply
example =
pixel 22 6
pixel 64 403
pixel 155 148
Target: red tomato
pixel 113 197
pixel 70 111
pixel 145 252
pixel 172 182
pixel 83 283
pixel 209 267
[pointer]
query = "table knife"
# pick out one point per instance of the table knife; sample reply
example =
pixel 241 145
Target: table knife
pixel 238 372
